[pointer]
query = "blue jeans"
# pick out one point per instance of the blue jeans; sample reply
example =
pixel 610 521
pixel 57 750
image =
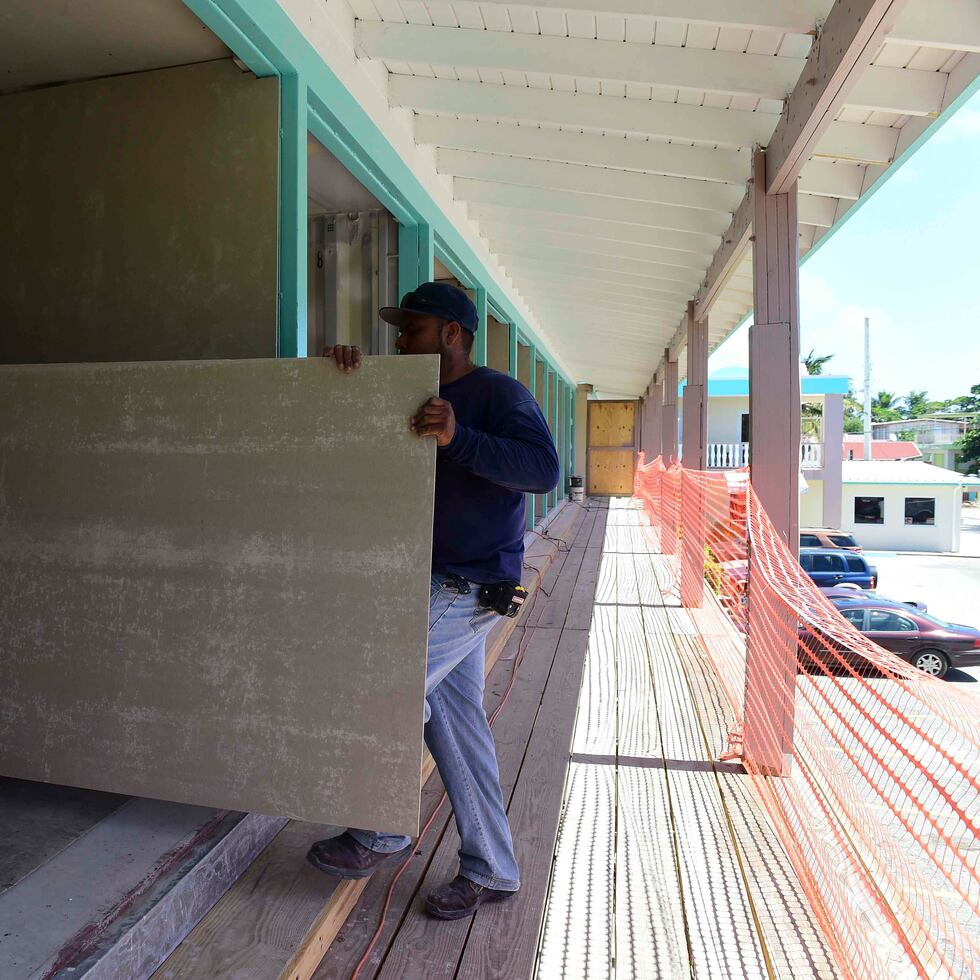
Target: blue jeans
pixel 459 738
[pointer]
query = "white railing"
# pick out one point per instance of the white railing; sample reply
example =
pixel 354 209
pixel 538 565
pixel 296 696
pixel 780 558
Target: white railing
pixel 811 455
pixel 735 455
pixel 728 455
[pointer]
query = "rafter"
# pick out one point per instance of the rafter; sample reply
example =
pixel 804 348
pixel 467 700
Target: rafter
pixel 851 37
pixel 623 263
pixel 591 206
pixel 897 90
pixel 713 127
pixel 626 185
pixel 500 234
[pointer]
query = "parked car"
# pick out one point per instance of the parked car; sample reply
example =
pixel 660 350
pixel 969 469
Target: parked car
pixel 927 643
pixel 835 566
pixel 855 593
pixel 825 537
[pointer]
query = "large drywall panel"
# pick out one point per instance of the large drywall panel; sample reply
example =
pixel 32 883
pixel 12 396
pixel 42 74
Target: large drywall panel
pixel 139 217
pixel 215 583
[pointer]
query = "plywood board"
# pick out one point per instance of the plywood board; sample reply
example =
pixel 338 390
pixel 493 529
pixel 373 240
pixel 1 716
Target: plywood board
pixel 611 471
pixel 611 423
pixel 216 583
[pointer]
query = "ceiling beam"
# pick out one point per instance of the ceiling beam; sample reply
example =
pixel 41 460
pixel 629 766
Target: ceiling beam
pixel 786 16
pixel 591 206
pixel 623 184
pixel 698 69
pixel 668 159
pixel 686 278
pixel 577 286
pixel 850 38
pixel 614 154
pixel 555 297
pixel 728 72
pixel 499 235
pixel 949 24
pixel 639 270
pixel 521 263
pixel 731 128
pixel 730 253
pixel 688 246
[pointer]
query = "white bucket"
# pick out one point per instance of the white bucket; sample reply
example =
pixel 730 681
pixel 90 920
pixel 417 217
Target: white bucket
pixel 578 494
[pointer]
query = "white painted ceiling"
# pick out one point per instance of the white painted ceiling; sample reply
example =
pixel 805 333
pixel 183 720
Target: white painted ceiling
pixel 601 146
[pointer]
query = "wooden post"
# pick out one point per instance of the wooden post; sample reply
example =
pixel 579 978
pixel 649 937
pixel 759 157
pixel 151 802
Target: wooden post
pixel 833 456
pixel 774 410
pixel 668 420
pixel 655 438
pixel 695 461
pixel 695 408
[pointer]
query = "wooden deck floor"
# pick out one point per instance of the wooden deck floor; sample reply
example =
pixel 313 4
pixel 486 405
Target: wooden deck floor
pixel 640 855
pixel 665 865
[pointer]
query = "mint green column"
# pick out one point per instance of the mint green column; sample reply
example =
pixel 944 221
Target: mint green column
pixel 532 387
pixel 480 344
pixel 416 257
pixel 292 337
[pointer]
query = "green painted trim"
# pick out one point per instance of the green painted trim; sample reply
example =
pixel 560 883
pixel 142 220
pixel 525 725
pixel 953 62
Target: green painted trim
pixel 293 298
pixel 263 35
pixel 415 256
pixel 483 327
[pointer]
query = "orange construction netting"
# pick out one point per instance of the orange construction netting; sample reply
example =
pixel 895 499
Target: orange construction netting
pixel 867 767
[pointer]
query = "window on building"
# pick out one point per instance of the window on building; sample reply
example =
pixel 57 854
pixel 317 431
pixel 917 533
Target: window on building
pixel 746 428
pixel 869 510
pixel 920 510
pixel 827 563
pixel 883 621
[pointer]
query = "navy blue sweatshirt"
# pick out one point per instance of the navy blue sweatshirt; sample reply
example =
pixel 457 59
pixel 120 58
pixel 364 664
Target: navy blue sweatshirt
pixel 502 449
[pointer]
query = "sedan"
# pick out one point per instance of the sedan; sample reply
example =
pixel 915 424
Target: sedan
pixel 854 593
pixel 927 643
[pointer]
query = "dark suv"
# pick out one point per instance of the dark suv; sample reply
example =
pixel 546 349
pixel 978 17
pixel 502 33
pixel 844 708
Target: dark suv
pixel 835 566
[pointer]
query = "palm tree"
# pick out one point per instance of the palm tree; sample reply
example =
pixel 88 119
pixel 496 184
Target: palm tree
pixel 916 403
pixel 814 364
pixel 883 407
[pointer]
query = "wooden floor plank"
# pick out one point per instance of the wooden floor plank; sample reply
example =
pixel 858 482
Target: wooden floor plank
pixel 651 939
pixel 595 723
pixel 637 725
pixel 721 930
pixel 504 938
pixel 258 924
pixel 425 947
pixel 553 609
pixel 583 595
pixel 578 936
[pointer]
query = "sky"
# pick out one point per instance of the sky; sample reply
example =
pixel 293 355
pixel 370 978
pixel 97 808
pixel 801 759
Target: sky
pixel 910 260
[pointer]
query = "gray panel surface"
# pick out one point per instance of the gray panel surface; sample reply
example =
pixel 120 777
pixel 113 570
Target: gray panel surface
pixel 215 583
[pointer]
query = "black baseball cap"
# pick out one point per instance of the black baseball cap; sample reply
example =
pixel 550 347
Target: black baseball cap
pixel 434 299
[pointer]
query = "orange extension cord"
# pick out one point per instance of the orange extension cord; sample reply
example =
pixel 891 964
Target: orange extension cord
pixel 521 651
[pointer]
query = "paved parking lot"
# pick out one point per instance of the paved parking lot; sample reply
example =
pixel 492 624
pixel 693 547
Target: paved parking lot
pixel 949 584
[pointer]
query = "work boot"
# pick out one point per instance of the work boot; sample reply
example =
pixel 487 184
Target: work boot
pixel 460 898
pixel 345 857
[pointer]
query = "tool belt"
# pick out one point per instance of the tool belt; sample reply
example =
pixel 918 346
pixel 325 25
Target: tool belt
pixel 504 598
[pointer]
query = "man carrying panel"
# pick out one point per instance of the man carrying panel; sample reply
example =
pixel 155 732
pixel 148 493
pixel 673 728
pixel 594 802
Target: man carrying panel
pixel 494 446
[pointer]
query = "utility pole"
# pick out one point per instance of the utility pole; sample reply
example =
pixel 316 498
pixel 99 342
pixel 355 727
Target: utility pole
pixel 867 389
